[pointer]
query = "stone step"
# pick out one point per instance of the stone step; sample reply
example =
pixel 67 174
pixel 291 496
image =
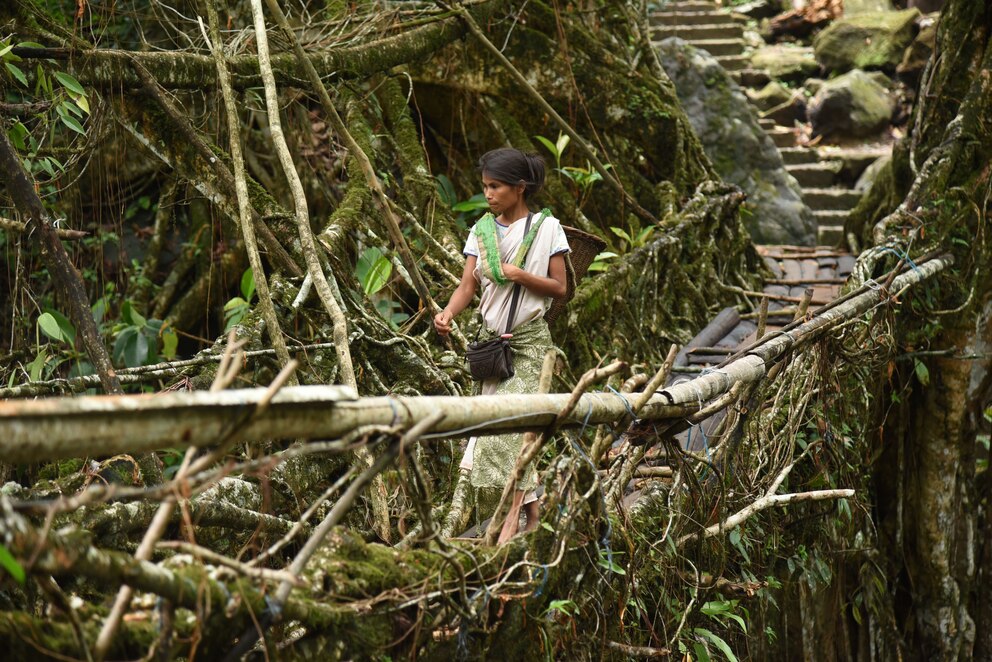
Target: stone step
pixel 799 155
pixel 690 18
pixel 732 62
pixel 822 174
pixel 695 32
pixel 831 199
pixel 718 47
pixel 781 136
pixel 852 161
pixel 754 78
pixel 830 235
pixel 690 6
pixel 766 122
pixel 828 217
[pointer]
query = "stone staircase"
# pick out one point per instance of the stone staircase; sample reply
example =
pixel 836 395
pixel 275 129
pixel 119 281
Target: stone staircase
pixel 705 26
pixel 826 175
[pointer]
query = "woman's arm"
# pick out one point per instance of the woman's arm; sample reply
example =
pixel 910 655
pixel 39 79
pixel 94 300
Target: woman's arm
pixel 554 285
pixel 460 299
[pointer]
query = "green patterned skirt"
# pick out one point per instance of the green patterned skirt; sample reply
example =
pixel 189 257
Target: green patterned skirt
pixel 495 456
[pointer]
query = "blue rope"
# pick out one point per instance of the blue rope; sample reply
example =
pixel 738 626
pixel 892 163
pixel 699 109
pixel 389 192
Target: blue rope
pixel 902 255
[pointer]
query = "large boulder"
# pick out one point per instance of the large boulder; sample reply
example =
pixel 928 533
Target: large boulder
pixel 866 41
pixel 740 150
pixel 853 105
pixel 786 62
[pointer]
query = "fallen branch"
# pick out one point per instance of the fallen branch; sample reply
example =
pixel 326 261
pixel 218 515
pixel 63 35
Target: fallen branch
pixel 9 225
pixel 765 502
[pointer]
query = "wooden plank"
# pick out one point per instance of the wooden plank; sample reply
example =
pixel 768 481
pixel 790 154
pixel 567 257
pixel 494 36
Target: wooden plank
pixel 711 333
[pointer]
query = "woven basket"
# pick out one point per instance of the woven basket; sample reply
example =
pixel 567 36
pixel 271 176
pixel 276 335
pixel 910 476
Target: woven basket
pixel 585 247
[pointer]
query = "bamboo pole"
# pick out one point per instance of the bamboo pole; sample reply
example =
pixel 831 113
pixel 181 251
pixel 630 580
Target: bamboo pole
pixel 36 430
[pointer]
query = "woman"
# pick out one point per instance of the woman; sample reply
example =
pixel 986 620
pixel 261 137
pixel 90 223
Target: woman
pixel 509 179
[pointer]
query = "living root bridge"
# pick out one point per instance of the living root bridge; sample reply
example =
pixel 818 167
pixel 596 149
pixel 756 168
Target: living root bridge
pixel 32 431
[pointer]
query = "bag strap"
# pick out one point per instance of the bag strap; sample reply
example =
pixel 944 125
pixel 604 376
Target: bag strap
pixel 516 288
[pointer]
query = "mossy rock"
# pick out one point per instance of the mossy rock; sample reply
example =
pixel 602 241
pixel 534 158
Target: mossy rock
pixel 787 63
pixel 851 105
pixel 866 41
pixel 771 95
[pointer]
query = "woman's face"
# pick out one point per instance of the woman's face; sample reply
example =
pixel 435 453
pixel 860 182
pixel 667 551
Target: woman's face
pixel 500 195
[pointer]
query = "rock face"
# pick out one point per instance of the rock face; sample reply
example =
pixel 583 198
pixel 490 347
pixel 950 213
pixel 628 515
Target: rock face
pixel 737 146
pixel 854 104
pixel 866 41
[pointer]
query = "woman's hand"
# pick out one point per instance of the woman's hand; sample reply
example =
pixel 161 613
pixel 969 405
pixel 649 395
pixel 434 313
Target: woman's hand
pixel 442 323
pixel 512 272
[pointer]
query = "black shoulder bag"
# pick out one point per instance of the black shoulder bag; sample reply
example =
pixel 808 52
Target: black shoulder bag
pixel 493 359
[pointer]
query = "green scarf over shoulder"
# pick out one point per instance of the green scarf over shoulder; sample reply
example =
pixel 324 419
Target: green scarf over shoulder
pixel 488 240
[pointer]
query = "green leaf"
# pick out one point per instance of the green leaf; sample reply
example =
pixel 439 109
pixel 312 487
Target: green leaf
pixel 83 103
pixel 740 621
pixel 550 145
pixel 70 83
pixel 16 72
pixel 373 270
pixel 234 303
pixel 566 606
pixel 702 655
pixel 72 108
pixel 17 133
pixel 248 284
pixel 72 123
pixel 120 344
pixel 136 350
pixel 563 140
pixel 65 326
pixel 611 565
pixel 476 202
pixel 6 49
pixel 169 343
pixel 10 564
pixel 922 373
pixel 46 165
pixel 133 315
pixel 445 190
pixel 620 232
pixel 721 645
pixel 36 366
pixel 30 44
pixel 50 327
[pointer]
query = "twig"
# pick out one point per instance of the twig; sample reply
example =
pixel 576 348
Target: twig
pixel 764 503
pixel 219 559
pixel 342 506
pixel 9 225
pixel 638 651
pixel 241 189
